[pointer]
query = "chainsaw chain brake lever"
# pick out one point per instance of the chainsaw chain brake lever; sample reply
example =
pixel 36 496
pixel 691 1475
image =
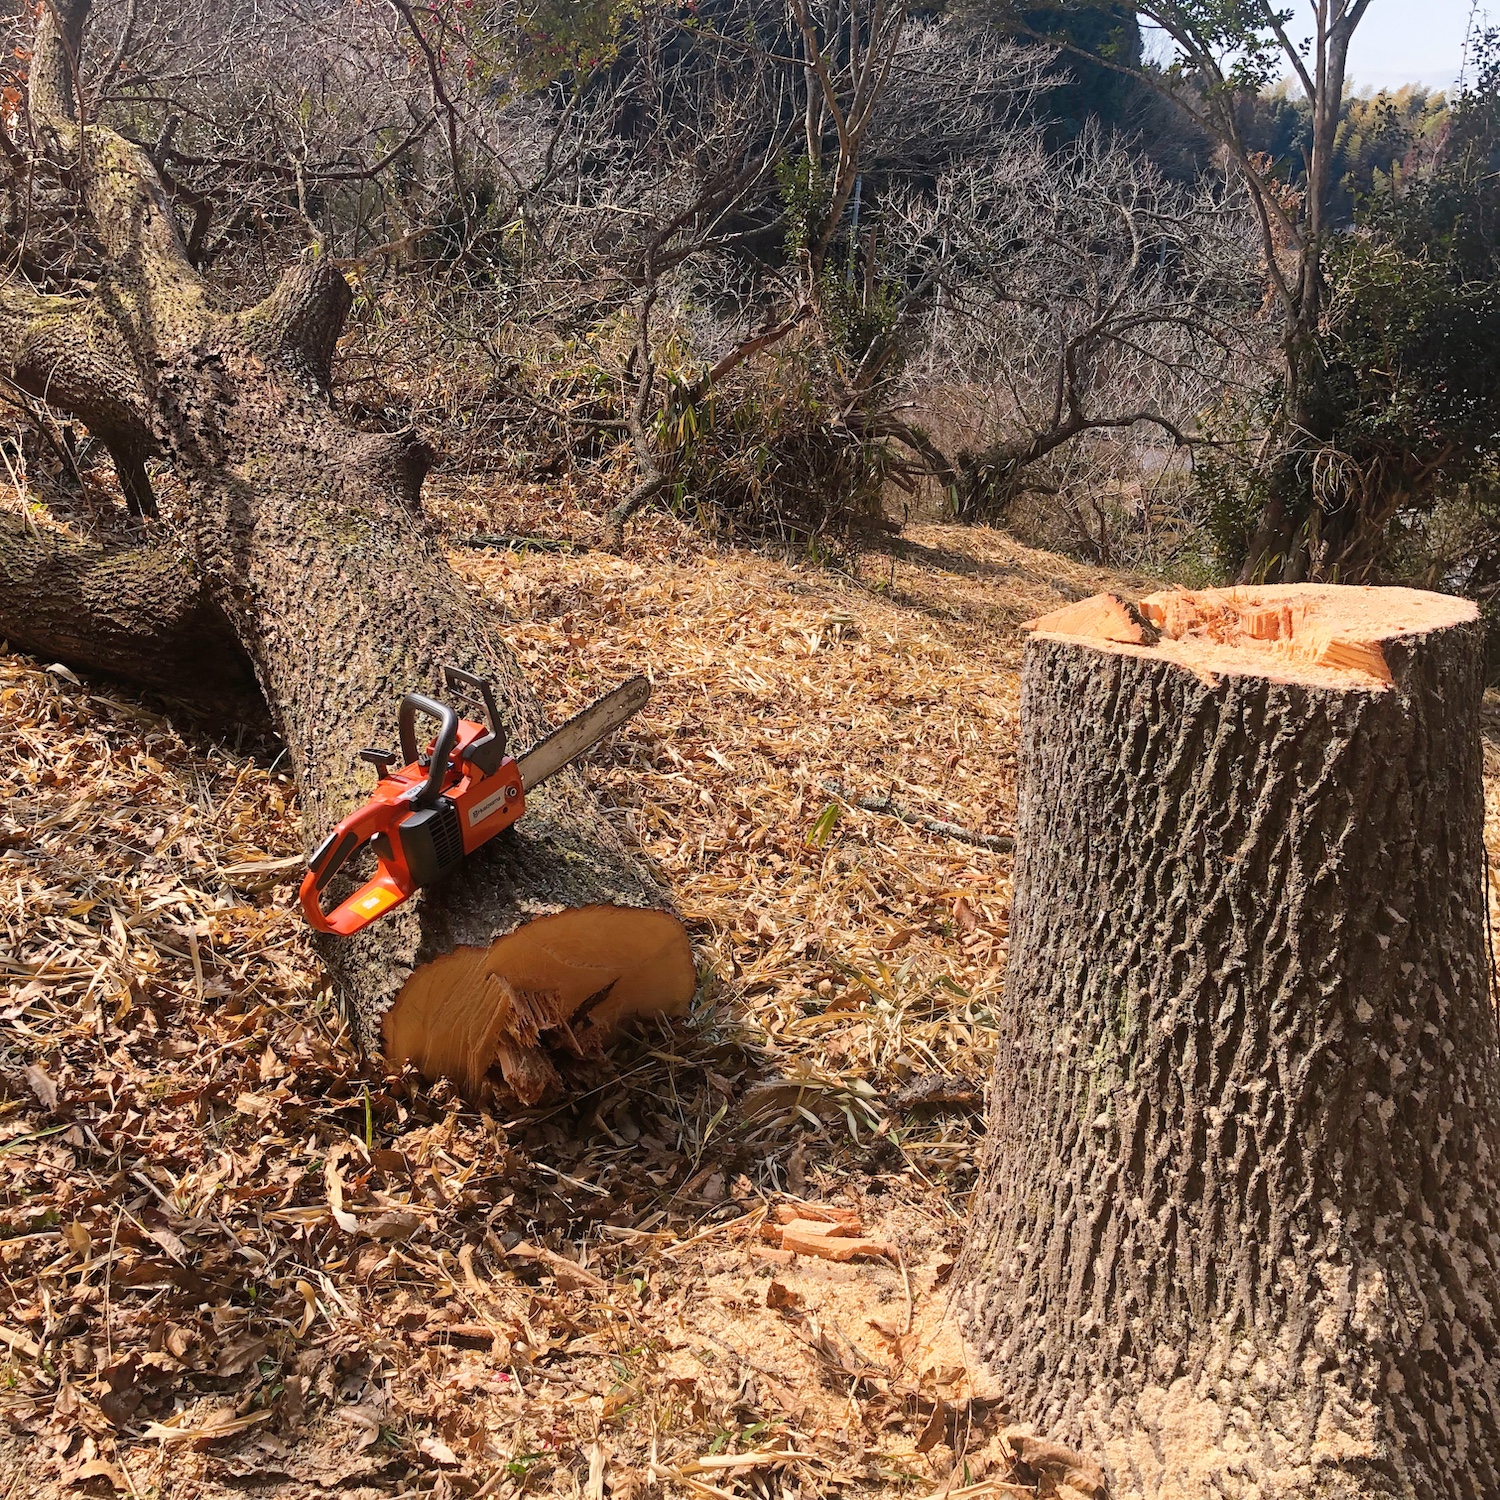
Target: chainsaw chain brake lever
pixel 489 751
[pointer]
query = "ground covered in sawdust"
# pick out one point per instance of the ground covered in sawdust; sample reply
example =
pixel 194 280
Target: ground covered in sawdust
pixel 235 1258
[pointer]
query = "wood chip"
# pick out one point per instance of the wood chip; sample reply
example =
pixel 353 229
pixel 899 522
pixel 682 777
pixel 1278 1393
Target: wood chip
pixel 834 1247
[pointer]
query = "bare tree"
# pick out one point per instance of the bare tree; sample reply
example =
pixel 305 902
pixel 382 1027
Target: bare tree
pixel 1077 293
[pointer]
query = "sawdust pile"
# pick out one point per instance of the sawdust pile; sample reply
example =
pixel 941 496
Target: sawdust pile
pixel 236 1258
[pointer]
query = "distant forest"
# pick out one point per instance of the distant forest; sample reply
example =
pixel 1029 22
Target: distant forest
pixel 800 267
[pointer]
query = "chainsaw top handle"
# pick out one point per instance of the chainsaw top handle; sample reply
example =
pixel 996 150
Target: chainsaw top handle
pixel 447 736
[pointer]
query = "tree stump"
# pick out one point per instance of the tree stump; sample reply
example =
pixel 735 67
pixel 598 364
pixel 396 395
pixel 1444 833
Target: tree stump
pixel 1238 1226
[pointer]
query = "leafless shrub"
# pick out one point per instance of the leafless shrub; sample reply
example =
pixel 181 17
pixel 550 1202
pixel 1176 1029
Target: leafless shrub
pixel 781 263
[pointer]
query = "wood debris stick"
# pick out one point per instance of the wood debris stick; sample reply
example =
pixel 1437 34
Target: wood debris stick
pixel 761 1458
pixel 983 1490
pixel 823 1230
pixel 168 1432
pixel 697 1486
pixel 1001 843
pixel 828 1213
pixel 800 1241
pixel 673 1251
pixel 502 543
pixel 562 1268
pixel 19 1342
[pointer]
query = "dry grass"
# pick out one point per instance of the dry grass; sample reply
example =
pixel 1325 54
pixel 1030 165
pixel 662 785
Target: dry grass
pixel 234 1258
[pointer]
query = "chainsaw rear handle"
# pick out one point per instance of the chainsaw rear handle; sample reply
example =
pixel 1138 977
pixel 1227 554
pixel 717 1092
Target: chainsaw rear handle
pixel 447 736
pixel 391 884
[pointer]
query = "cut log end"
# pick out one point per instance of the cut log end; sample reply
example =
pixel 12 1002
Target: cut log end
pixel 569 980
pixel 1319 635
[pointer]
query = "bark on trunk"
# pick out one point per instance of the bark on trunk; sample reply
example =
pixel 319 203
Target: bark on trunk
pixel 138 613
pixel 1238 1233
pixel 312 553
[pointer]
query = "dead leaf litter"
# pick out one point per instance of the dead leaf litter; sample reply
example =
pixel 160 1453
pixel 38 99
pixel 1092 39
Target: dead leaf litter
pixel 235 1257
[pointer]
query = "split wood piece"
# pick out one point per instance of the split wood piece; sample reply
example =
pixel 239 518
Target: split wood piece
pixel 813 1239
pixel 827 1213
pixel 1237 1229
pixel 773 1233
pixel 308 563
pixel 821 1229
pixel 1325 635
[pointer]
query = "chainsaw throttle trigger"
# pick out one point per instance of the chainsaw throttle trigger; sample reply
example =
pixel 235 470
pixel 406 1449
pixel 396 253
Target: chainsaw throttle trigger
pixel 442 747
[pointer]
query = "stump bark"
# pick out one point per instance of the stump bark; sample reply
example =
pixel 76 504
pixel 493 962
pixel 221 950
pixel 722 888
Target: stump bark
pixel 304 554
pixel 1237 1232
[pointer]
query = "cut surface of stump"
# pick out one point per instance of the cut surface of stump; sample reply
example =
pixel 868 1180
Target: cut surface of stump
pixel 1237 1232
pixel 577 974
pixel 1329 635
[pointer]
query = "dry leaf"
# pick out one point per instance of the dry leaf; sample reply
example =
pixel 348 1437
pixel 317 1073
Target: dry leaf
pixel 438 1451
pixel 42 1086
pixel 937 1425
pixel 98 1468
pixel 398 1225
pixel 335 1186
pixel 238 1356
pixel 780 1296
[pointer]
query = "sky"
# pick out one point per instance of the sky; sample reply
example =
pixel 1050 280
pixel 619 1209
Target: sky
pixel 1411 41
pixel 1398 41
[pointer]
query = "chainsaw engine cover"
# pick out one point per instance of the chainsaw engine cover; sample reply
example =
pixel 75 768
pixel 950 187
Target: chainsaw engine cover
pixel 431 841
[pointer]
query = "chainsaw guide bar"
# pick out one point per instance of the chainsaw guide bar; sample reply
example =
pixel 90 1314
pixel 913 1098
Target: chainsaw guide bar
pixel 583 731
pixel 447 800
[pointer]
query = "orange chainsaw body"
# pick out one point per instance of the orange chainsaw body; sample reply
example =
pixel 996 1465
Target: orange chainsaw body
pixel 423 819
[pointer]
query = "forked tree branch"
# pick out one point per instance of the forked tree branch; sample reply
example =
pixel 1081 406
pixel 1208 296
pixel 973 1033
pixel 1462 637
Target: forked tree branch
pixel 300 322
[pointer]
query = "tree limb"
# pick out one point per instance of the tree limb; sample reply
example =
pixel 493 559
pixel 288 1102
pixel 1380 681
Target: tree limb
pixel 66 354
pixel 300 322
pixel 137 613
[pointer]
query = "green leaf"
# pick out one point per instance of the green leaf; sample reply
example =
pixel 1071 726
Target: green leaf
pixel 822 830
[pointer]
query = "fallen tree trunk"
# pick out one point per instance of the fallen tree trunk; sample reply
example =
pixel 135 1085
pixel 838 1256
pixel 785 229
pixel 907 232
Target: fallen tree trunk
pixel 312 555
pixel 140 613
pixel 1237 1232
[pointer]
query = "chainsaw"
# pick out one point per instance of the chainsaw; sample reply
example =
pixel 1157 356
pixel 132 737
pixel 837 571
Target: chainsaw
pixel 446 800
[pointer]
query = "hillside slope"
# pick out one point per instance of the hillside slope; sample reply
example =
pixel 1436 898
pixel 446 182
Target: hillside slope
pixel 236 1259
